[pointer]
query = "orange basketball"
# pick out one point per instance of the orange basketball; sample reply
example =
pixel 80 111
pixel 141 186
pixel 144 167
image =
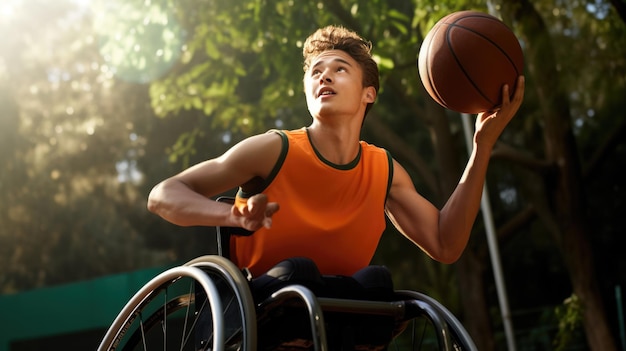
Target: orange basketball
pixel 465 60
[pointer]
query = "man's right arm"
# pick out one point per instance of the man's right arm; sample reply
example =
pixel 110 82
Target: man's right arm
pixel 185 199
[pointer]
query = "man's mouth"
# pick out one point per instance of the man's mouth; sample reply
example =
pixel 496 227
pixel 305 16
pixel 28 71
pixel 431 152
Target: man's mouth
pixel 325 91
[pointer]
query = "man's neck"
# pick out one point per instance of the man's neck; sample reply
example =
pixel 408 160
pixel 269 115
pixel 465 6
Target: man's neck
pixel 338 144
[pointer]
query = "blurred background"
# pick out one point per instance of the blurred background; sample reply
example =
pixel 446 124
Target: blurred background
pixel 100 100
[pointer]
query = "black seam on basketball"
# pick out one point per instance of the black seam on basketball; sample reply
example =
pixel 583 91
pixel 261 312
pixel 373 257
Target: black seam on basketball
pixel 462 67
pixel 489 40
pixel 454 24
pixel 433 87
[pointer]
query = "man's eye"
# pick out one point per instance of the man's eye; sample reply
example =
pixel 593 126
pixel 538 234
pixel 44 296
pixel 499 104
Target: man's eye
pixel 341 69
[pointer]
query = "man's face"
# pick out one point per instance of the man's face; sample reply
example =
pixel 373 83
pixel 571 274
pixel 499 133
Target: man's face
pixel 334 85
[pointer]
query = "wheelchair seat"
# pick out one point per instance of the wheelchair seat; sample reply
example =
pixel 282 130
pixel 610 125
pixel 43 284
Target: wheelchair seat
pixel 287 326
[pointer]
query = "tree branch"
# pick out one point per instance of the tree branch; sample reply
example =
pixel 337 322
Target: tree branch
pixel 512 226
pixel 503 151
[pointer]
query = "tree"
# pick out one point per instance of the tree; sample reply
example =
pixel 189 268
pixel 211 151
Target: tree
pixel 70 206
pixel 564 202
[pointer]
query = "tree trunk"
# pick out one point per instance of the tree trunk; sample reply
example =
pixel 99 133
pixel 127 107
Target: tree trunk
pixel 564 186
pixel 476 316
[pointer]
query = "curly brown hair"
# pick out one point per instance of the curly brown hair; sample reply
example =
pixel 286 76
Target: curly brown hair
pixel 340 38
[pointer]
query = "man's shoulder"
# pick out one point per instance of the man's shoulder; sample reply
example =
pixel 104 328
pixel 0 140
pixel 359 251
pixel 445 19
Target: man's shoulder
pixel 291 132
pixel 375 149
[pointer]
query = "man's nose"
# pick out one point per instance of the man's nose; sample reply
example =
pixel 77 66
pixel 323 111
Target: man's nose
pixel 325 77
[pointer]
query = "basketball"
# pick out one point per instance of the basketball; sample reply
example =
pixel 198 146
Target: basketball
pixel 466 58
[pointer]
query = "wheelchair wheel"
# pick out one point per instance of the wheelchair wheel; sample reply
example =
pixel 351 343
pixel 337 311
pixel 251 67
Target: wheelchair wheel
pixel 422 334
pixel 242 330
pixel 167 312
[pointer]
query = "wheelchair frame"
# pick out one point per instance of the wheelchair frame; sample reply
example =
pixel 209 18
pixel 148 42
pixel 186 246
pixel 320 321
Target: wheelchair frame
pixel 451 335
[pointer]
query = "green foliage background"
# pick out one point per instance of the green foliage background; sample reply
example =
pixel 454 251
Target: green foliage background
pixel 100 100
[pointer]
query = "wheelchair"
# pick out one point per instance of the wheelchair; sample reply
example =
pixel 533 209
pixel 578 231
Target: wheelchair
pixel 170 312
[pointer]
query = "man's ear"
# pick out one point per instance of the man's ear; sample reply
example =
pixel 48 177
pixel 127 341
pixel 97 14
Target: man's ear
pixel 370 95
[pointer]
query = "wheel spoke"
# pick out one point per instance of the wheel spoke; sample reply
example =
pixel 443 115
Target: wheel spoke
pixel 164 321
pixel 183 337
pixel 143 335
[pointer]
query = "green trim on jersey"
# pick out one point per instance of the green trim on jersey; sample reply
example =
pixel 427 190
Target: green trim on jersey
pixel 346 167
pixel 279 163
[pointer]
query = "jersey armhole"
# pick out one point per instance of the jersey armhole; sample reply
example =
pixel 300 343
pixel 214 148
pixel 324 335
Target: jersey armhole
pixel 390 179
pixel 279 163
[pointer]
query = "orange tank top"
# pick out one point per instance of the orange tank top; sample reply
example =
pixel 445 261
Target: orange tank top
pixel 333 214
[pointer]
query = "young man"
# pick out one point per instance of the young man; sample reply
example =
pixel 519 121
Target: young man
pixel 333 189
